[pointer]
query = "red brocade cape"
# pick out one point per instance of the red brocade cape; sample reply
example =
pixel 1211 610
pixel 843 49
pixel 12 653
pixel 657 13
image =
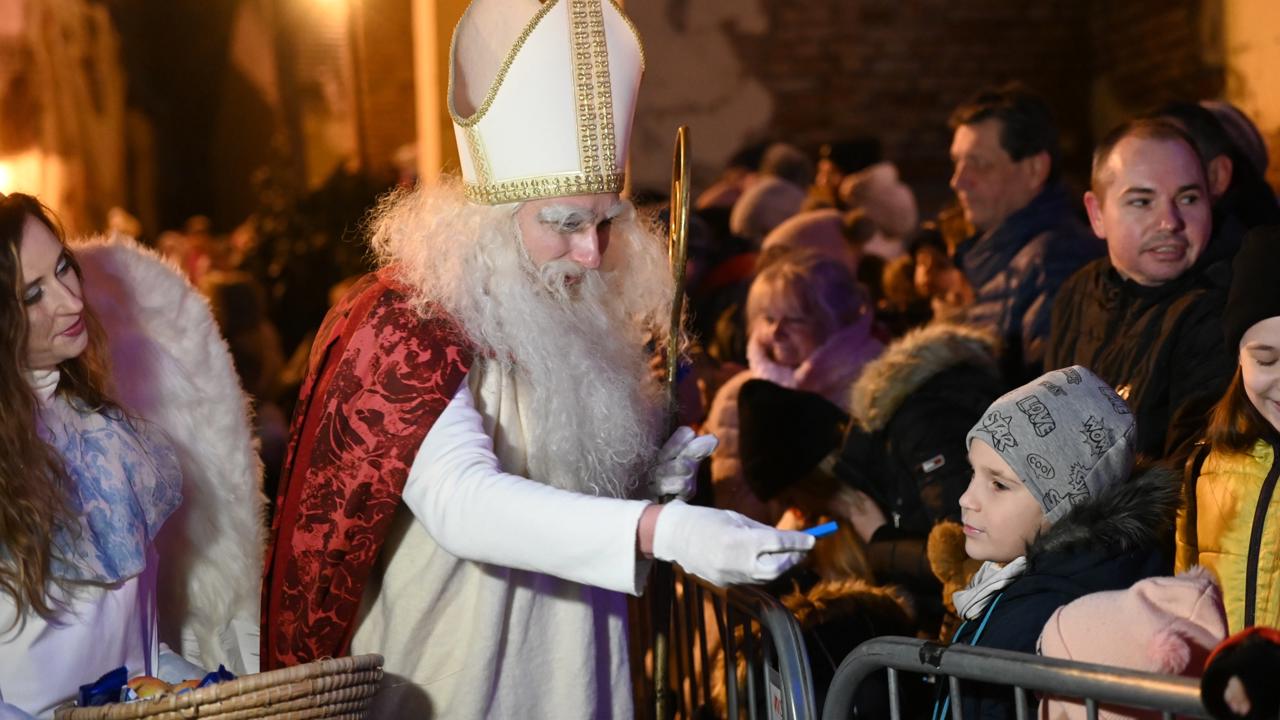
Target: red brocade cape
pixel 379 376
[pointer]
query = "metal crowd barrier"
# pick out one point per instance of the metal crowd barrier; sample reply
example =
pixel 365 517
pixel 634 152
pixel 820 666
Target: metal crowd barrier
pixel 1094 684
pixel 741 638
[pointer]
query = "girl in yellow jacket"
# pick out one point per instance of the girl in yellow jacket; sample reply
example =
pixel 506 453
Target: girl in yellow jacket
pixel 1231 521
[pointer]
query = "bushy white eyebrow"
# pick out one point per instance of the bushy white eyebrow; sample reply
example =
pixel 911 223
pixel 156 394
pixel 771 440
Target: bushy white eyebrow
pixel 569 218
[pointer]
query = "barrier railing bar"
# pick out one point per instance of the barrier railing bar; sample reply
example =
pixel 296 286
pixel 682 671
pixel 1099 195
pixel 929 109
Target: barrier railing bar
pixel 769 637
pixel 793 659
pixel 700 602
pixel 730 659
pixel 748 654
pixel 1091 708
pixel 895 707
pixel 955 698
pixel 1020 702
pixel 1131 688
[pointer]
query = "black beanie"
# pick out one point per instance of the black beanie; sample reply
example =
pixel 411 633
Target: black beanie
pixel 1255 289
pixel 783 434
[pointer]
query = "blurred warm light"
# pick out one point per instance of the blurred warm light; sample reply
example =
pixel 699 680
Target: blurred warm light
pixel 36 173
pixel 332 6
pixel 29 172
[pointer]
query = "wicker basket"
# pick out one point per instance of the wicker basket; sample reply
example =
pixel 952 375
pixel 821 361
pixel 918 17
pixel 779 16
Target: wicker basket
pixel 338 688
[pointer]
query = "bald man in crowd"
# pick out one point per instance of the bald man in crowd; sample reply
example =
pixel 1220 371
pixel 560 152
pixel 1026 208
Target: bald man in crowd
pixel 1146 317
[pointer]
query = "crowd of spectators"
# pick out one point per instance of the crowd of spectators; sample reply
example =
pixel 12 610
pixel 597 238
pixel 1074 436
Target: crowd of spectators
pixel 1037 374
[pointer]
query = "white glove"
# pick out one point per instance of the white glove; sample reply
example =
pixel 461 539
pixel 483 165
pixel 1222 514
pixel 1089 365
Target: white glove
pixel 677 470
pixel 724 547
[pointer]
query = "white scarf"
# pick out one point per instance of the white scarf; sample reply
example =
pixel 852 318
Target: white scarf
pixel 990 579
pixel 44 383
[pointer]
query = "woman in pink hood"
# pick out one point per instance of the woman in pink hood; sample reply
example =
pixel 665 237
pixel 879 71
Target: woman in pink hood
pixel 809 328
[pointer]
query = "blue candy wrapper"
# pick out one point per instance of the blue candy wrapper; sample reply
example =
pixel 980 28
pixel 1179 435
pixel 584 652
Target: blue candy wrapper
pixel 222 674
pixel 105 689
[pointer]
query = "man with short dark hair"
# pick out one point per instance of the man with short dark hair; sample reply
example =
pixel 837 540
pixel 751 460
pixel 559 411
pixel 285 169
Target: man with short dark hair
pixel 1145 318
pixel 1028 239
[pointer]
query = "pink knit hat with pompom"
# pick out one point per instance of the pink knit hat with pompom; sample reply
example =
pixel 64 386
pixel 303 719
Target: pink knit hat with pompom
pixel 1163 625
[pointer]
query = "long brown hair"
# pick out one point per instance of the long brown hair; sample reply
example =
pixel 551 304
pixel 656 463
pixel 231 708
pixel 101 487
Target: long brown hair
pixel 1235 425
pixel 34 485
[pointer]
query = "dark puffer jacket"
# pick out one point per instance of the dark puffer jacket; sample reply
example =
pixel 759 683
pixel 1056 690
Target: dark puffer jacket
pixel 1015 271
pixel 905 448
pixel 1107 543
pixel 1161 348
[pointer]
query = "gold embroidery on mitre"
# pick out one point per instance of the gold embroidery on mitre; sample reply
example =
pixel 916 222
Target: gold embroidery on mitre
pixel 603 125
pixel 479 158
pixel 590 56
pixel 593 101
pixel 538 188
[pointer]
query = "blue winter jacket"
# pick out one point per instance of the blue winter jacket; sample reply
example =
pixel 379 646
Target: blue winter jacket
pixel 1015 271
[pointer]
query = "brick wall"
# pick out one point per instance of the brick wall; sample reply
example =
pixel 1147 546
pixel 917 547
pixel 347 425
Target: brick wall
pixel 1151 51
pixel 895 69
pixel 890 68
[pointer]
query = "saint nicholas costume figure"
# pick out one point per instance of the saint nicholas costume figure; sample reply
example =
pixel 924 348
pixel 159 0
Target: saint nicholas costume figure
pixel 469 485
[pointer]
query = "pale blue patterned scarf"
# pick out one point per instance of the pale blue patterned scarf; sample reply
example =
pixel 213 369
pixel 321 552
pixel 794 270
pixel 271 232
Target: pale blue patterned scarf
pixel 125 482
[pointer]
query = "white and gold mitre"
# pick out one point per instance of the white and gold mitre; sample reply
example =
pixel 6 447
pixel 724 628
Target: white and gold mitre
pixel 542 106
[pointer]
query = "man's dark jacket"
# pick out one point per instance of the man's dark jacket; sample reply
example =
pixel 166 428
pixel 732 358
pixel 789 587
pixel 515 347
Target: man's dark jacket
pixel 1016 270
pixel 1161 348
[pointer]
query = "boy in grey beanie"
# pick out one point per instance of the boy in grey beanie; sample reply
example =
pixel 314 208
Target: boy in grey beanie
pixel 1066 435
pixel 1056 510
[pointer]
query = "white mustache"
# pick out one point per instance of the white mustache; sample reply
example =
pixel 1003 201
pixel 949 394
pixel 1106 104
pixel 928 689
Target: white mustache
pixel 560 276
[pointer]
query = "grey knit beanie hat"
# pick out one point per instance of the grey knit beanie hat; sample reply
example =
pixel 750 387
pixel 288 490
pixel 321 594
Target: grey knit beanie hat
pixel 1067 434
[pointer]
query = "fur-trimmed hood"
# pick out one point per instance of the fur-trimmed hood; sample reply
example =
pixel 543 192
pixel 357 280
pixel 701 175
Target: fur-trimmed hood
pixel 1125 517
pixel 912 361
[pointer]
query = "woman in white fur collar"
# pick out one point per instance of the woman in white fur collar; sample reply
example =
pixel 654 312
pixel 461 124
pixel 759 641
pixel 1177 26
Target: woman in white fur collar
pixel 84 486
pixel 809 328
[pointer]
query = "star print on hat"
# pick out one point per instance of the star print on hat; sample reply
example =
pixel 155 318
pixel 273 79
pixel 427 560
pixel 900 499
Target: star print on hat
pixel 1067 434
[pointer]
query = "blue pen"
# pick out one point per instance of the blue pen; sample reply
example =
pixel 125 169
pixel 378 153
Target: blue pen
pixel 822 530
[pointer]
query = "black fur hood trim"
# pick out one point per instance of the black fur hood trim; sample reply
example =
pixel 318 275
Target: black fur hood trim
pixel 1135 515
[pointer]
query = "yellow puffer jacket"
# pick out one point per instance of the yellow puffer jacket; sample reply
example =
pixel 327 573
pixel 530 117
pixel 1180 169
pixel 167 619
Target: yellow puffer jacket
pixel 1234 537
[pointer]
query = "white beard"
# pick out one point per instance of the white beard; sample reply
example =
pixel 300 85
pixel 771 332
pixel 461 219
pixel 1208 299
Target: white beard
pixel 595 411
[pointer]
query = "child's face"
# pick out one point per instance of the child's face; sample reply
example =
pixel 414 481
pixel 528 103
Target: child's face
pixel 1001 516
pixel 1260 368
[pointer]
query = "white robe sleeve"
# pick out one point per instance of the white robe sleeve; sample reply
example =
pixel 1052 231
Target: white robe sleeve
pixel 12 712
pixel 475 511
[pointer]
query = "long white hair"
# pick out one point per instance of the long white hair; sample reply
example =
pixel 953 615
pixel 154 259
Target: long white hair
pixel 595 409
